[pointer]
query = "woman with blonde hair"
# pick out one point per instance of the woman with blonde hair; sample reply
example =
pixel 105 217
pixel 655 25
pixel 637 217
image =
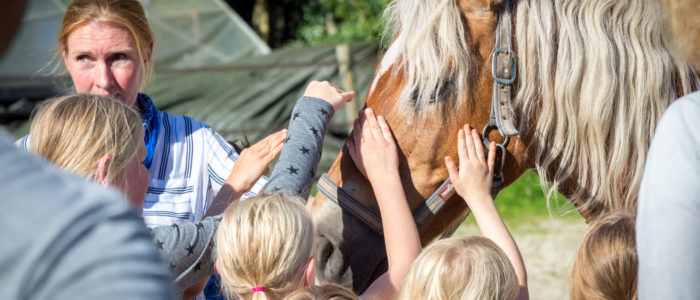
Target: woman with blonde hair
pixel 606 262
pixel 107 48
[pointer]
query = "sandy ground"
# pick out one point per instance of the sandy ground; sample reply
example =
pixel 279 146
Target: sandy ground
pixel 548 247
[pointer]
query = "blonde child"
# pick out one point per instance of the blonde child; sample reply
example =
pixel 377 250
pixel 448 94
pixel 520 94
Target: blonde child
pixel 265 244
pixel 488 267
pixel 606 262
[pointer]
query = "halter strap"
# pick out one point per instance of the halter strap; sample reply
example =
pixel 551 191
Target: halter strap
pixel 372 219
pixel 504 73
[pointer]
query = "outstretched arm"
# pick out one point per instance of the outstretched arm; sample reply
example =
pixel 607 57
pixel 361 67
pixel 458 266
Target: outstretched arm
pixel 374 152
pixel 250 166
pixel 296 168
pixel 473 182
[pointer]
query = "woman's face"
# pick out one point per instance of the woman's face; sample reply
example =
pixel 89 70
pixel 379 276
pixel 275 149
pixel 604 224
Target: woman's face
pixel 103 59
pixel 137 177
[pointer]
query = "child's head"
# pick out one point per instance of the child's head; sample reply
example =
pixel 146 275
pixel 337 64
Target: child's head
pixel 265 243
pixel 94 137
pixel 606 263
pixel 328 291
pixel 461 268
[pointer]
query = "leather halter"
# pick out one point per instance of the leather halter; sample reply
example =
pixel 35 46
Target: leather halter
pixel 503 70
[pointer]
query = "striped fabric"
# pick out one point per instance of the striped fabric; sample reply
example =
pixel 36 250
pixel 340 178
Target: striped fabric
pixel 187 171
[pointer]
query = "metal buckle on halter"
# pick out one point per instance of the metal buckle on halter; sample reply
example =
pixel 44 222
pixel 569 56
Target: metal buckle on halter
pixel 485 136
pixel 494 60
pixel 497 181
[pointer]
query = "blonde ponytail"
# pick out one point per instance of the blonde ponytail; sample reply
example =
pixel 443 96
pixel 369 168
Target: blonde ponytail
pixel 264 242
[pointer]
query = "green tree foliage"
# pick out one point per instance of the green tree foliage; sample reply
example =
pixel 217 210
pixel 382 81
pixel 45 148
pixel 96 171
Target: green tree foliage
pixel 354 20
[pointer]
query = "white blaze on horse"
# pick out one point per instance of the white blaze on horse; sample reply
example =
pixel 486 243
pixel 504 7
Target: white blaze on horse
pixel 581 89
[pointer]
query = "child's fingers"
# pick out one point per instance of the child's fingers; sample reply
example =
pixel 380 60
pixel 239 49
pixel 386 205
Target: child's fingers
pixel 386 131
pixel 471 152
pixel 275 152
pixel 270 140
pixel 373 125
pixel 478 145
pixel 461 148
pixel 451 168
pixel 492 157
pixel 347 96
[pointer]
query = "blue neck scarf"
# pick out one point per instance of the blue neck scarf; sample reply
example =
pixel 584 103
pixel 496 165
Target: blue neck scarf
pixel 149 118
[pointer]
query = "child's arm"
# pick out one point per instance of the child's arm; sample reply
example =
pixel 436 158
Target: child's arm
pixel 473 182
pixel 373 147
pixel 251 164
pixel 295 170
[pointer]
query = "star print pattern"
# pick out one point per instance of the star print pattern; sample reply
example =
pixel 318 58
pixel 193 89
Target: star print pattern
pixel 187 249
pixel 295 171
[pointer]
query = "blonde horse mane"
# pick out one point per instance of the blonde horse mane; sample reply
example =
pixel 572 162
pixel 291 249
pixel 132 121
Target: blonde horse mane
pixel 431 47
pixel 596 75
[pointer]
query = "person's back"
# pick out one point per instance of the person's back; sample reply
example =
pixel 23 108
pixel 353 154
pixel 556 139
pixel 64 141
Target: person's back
pixel 66 238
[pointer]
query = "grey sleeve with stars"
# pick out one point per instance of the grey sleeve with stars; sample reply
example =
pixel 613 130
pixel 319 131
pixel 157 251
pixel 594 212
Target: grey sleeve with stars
pixel 296 168
pixel 188 250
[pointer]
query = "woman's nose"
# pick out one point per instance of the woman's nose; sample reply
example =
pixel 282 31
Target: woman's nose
pixel 103 76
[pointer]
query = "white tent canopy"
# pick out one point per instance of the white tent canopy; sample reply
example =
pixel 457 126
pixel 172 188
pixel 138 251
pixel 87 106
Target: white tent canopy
pixel 189 34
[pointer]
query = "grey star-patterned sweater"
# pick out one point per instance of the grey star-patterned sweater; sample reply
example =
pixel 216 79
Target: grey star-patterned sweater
pixel 296 167
pixel 188 248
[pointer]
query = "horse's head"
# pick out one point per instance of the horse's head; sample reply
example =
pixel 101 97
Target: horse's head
pixel 593 78
pixel 431 80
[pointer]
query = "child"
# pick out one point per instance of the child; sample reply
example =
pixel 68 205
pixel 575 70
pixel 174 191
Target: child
pixel 488 267
pixel 264 244
pixel 606 263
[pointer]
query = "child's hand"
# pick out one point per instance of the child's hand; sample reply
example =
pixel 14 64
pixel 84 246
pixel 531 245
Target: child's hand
pixel 473 179
pixel 373 146
pixel 328 92
pixel 253 161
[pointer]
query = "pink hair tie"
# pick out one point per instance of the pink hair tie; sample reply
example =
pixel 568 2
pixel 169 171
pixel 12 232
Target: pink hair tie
pixel 257 289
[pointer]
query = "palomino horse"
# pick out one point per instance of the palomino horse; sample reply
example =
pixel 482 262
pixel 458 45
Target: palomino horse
pixel 593 78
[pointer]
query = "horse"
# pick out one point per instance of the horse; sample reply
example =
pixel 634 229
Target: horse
pixel 590 81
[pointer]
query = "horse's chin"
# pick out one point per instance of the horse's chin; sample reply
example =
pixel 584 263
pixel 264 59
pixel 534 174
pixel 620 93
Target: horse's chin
pixel 352 258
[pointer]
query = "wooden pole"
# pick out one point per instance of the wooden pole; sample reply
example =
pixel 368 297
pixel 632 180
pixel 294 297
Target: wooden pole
pixel 347 77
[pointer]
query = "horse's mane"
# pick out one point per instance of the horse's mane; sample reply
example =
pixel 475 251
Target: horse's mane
pixel 596 75
pixel 431 47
